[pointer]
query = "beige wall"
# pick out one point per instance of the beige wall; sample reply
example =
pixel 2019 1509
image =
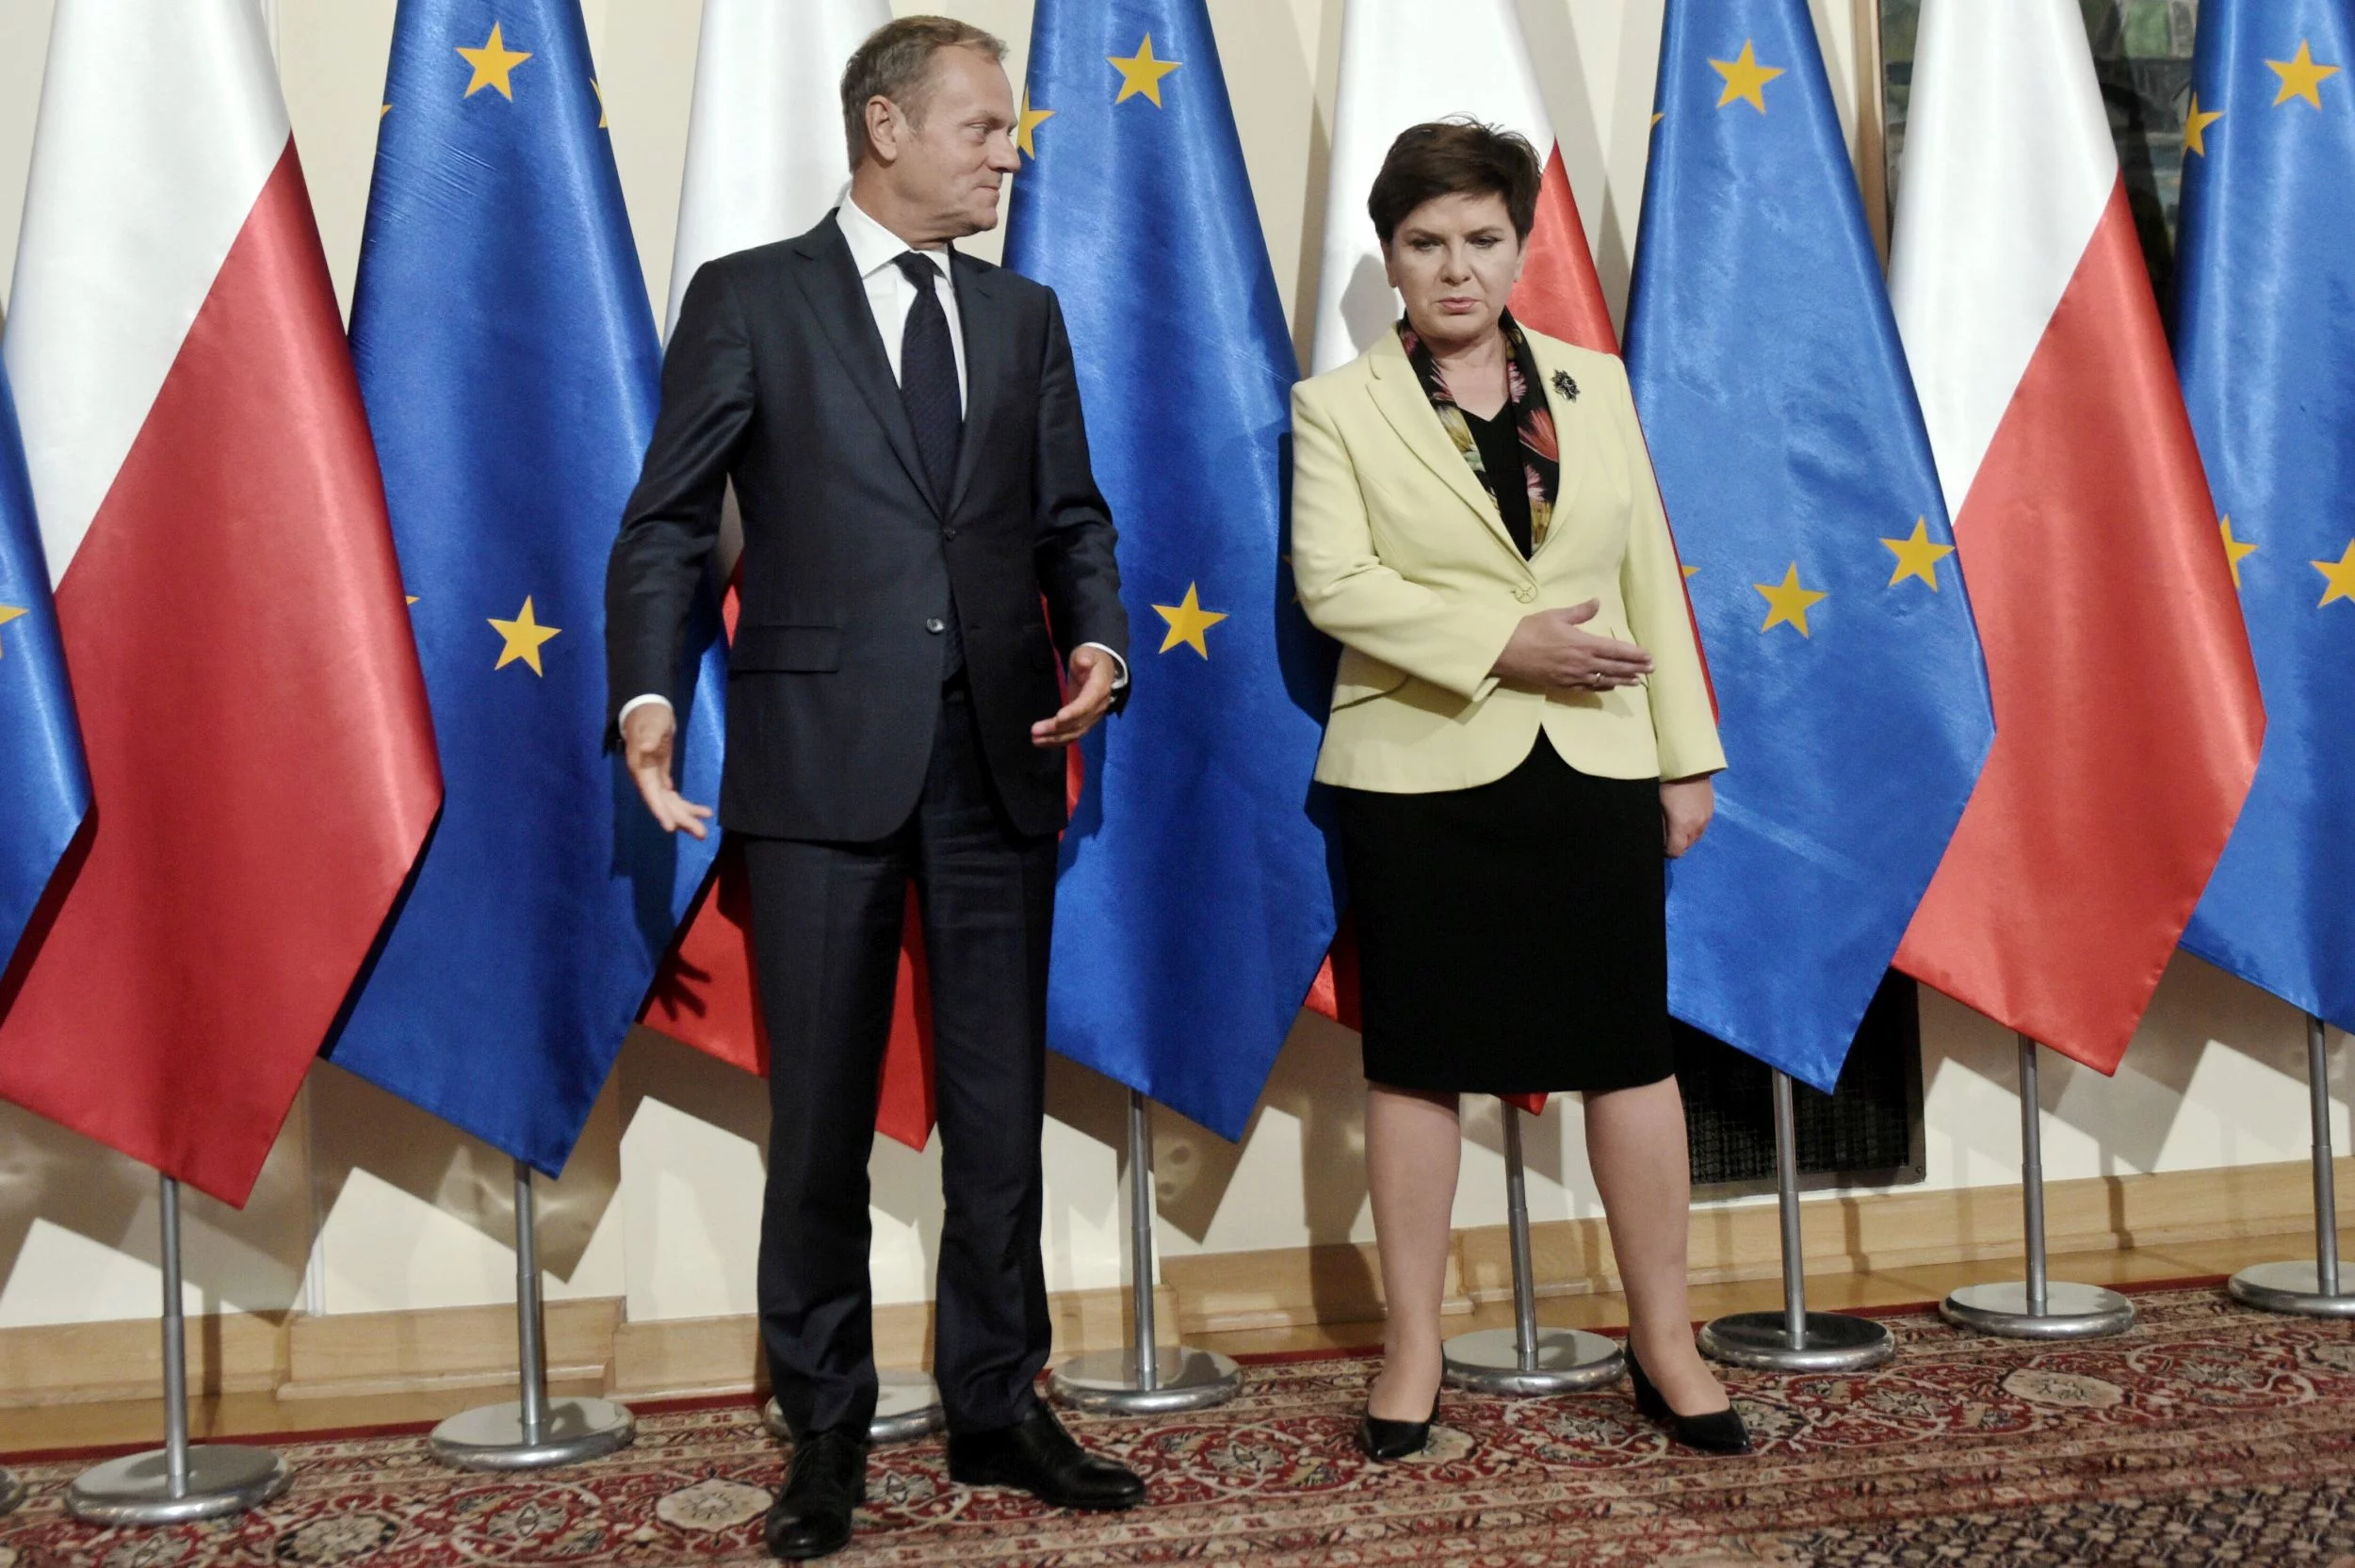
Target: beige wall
pixel 368 1205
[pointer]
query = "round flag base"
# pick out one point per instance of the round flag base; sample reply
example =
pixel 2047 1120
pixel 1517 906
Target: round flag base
pixel 1561 1360
pixel 1111 1382
pixel 2290 1288
pixel 2070 1311
pixel 491 1437
pixel 223 1478
pixel 1833 1342
pixel 907 1407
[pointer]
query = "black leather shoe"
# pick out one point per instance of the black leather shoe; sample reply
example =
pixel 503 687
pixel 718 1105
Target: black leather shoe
pixel 1037 1456
pixel 1390 1441
pixel 824 1482
pixel 1719 1431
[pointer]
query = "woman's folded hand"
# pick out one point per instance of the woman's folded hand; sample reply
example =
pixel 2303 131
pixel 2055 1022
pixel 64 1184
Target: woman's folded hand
pixel 1549 648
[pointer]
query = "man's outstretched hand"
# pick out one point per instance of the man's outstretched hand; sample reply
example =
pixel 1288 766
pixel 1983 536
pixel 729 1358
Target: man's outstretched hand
pixel 1092 671
pixel 646 738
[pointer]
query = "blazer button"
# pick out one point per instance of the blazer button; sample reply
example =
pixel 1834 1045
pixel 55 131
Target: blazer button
pixel 1525 593
pixel 936 625
pixel 948 533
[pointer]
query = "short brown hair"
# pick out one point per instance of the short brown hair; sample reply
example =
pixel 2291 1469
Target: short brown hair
pixel 896 62
pixel 1456 157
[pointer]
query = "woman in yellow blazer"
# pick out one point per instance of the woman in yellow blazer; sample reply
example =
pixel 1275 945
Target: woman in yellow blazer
pixel 1521 730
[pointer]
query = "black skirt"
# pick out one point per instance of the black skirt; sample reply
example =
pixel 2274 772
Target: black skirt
pixel 1512 937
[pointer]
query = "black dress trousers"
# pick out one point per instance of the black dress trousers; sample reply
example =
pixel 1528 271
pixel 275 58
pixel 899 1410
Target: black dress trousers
pixel 826 922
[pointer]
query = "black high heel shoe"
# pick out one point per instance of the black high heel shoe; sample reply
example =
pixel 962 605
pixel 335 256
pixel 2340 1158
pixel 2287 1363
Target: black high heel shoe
pixel 1720 1432
pixel 1391 1441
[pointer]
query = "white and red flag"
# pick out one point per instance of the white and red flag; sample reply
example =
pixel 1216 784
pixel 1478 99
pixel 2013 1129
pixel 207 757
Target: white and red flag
pixel 766 159
pixel 260 752
pixel 2127 717
pixel 1398 69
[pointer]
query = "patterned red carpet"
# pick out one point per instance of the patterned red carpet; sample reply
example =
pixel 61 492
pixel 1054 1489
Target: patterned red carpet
pixel 2209 1434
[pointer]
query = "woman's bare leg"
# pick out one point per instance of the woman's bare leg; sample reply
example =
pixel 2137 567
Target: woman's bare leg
pixel 1413 1148
pixel 1635 1145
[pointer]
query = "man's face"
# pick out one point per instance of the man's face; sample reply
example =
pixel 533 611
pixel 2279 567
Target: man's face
pixel 949 169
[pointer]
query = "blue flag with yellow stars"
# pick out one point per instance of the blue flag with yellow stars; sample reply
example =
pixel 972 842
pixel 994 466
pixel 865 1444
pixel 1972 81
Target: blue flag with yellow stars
pixel 1797 472
pixel 1195 901
pixel 2265 340
pixel 44 786
pixel 507 356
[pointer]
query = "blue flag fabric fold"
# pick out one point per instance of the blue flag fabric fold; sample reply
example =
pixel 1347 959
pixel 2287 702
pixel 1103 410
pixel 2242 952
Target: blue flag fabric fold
pixel 507 356
pixel 1195 899
pixel 2264 341
pixel 1797 469
pixel 44 785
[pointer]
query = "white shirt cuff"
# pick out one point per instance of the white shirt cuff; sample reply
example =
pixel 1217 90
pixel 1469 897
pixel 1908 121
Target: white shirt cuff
pixel 636 703
pixel 1120 666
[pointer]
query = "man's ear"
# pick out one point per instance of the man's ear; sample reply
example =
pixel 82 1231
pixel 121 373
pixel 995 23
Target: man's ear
pixel 882 129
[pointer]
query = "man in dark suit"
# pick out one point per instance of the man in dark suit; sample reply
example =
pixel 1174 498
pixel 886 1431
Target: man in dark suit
pixel 902 427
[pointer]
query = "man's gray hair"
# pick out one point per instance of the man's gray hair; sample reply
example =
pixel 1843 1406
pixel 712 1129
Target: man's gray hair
pixel 896 62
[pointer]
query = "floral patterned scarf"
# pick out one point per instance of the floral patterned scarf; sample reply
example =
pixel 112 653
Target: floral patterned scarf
pixel 1541 455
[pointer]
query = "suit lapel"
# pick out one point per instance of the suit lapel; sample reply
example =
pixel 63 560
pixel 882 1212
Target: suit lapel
pixel 987 353
pixel 829 281
pixel 1400 396
pixel 1573 430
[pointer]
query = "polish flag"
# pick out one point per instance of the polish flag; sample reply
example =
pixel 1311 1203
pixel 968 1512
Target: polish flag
pixel 765 159
pixel 1399 69
pixel 260 752
pixel 2127 717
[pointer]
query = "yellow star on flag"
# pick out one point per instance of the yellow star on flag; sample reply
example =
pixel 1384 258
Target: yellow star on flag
pixel 1689 569
pixel 9 613
pixel 2196 124
pixel 493 63
pixel 524 637
pixel 1787 602
pixel 2235 550
pixel 2340 574
pixel 1188 621
pixel 1746 79
pixel 1026 129
pixel 1918 556
pixel 1141 73
pixel 2301 78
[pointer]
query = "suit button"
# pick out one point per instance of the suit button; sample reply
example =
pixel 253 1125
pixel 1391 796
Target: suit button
pixel 1525 593
pixel 948 533
pixel 936 625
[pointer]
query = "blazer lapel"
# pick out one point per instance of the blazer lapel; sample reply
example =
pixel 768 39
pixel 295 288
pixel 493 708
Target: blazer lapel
pixel 1400 396
pixel 987 353
pixel 1573 430
pixel 829 281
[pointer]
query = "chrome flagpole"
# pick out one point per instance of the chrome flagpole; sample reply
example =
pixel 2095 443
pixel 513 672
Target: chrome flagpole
pixel 532 1432
pixel 1526 1358
pixel 2311 1288
pixel 1147 1378
pixel 181 1482
pixel 1795 1339
pixel 2037 1308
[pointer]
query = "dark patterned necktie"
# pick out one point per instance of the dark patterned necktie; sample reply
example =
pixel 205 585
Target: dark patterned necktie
pixel 928 377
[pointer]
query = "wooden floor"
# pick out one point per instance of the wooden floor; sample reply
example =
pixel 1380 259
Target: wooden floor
pixel 257 1413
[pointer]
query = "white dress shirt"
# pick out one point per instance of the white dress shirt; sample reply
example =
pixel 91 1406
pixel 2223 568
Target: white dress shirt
pixel 875 250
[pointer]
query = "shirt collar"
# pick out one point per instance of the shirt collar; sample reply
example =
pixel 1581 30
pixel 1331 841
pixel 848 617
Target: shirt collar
pixel 875 246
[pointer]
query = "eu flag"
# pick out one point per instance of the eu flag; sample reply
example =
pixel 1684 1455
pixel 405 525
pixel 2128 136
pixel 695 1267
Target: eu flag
pixel 1196 902
pixel 2265 340
pixel 507 356
pixel 1796 465
pixel 44 789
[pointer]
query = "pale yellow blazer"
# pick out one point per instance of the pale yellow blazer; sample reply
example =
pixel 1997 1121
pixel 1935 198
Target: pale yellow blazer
pixel 1399 555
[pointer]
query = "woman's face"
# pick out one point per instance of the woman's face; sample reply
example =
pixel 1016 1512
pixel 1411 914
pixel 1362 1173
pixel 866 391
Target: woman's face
pixel 1456 258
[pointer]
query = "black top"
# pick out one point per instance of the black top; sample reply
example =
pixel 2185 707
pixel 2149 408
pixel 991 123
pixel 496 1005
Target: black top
pixel 1500 444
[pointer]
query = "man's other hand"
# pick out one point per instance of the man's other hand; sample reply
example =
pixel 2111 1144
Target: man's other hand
pixel 646 738
pixel 1092 673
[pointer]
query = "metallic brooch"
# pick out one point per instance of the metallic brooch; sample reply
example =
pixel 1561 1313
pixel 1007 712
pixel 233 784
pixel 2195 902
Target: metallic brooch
pixel 1562 384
